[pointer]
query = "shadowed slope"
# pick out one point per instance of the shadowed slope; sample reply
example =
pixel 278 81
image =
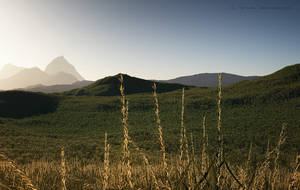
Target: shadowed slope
pixel 18 104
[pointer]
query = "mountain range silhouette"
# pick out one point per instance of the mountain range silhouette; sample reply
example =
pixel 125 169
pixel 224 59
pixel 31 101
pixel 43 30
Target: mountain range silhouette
pixel 58 72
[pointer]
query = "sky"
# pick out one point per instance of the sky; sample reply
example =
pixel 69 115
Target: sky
pixel 152 39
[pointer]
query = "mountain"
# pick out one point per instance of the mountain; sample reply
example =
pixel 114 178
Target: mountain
pixel 209 79
pixel 110 86
pixel 60 78
pixel 60 64
pixel 24 78
pixel 33 76
pixel 57 88
pixel 9 70
pixel 58 72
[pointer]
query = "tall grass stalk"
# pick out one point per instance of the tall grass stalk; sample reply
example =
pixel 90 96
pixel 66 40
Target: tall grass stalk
pixel 192 174
pixel 126 152
pixel 219 126
pixel 161 140
pixel 204 155
pixel 63 169
pixel 106 162
pixel 193 148
pixel 184 157
pixel 220 133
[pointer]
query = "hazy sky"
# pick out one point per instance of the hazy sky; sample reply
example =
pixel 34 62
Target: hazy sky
pixel 153 39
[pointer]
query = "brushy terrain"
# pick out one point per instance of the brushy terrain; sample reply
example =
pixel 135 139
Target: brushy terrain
pixel 252 145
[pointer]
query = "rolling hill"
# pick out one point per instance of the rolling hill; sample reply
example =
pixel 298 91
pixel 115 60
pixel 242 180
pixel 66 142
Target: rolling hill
pixel 209 79
pixel 282 85
pixel 110 86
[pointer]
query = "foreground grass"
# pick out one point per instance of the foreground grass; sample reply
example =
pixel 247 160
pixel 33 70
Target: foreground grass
pixel 46 175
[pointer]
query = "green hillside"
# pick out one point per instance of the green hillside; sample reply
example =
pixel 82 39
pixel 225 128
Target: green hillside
pixel 282 85
pixel 110 86
pixel 252 111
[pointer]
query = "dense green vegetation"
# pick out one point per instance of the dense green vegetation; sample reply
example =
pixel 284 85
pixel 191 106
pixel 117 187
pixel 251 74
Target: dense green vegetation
pixel 253 111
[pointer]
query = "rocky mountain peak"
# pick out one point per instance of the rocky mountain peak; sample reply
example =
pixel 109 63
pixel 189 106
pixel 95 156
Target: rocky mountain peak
pixel 61 64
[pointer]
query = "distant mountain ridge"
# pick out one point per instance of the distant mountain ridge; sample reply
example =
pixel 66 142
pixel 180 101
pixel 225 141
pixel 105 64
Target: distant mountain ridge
pixel 57 88
pixel 209 79
pixel 9 70
pixel 33 76
pixel 59 71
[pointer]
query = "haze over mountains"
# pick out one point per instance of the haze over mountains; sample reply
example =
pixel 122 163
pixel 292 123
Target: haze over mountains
pixel 59 71
pixel 9 70
pixel 60 76
pixel 58 87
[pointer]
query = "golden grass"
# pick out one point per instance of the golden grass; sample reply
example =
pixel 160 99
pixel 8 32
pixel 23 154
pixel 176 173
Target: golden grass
pixel 90 176
pixel 106 163
pixel 295 181
pixel 220 135
pixel 24 180
pixel 204 156
pixel 126 151
pixel 161 139
pixel 63 169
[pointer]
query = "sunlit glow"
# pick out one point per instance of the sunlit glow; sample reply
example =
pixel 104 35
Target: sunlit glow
pixel 148 39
